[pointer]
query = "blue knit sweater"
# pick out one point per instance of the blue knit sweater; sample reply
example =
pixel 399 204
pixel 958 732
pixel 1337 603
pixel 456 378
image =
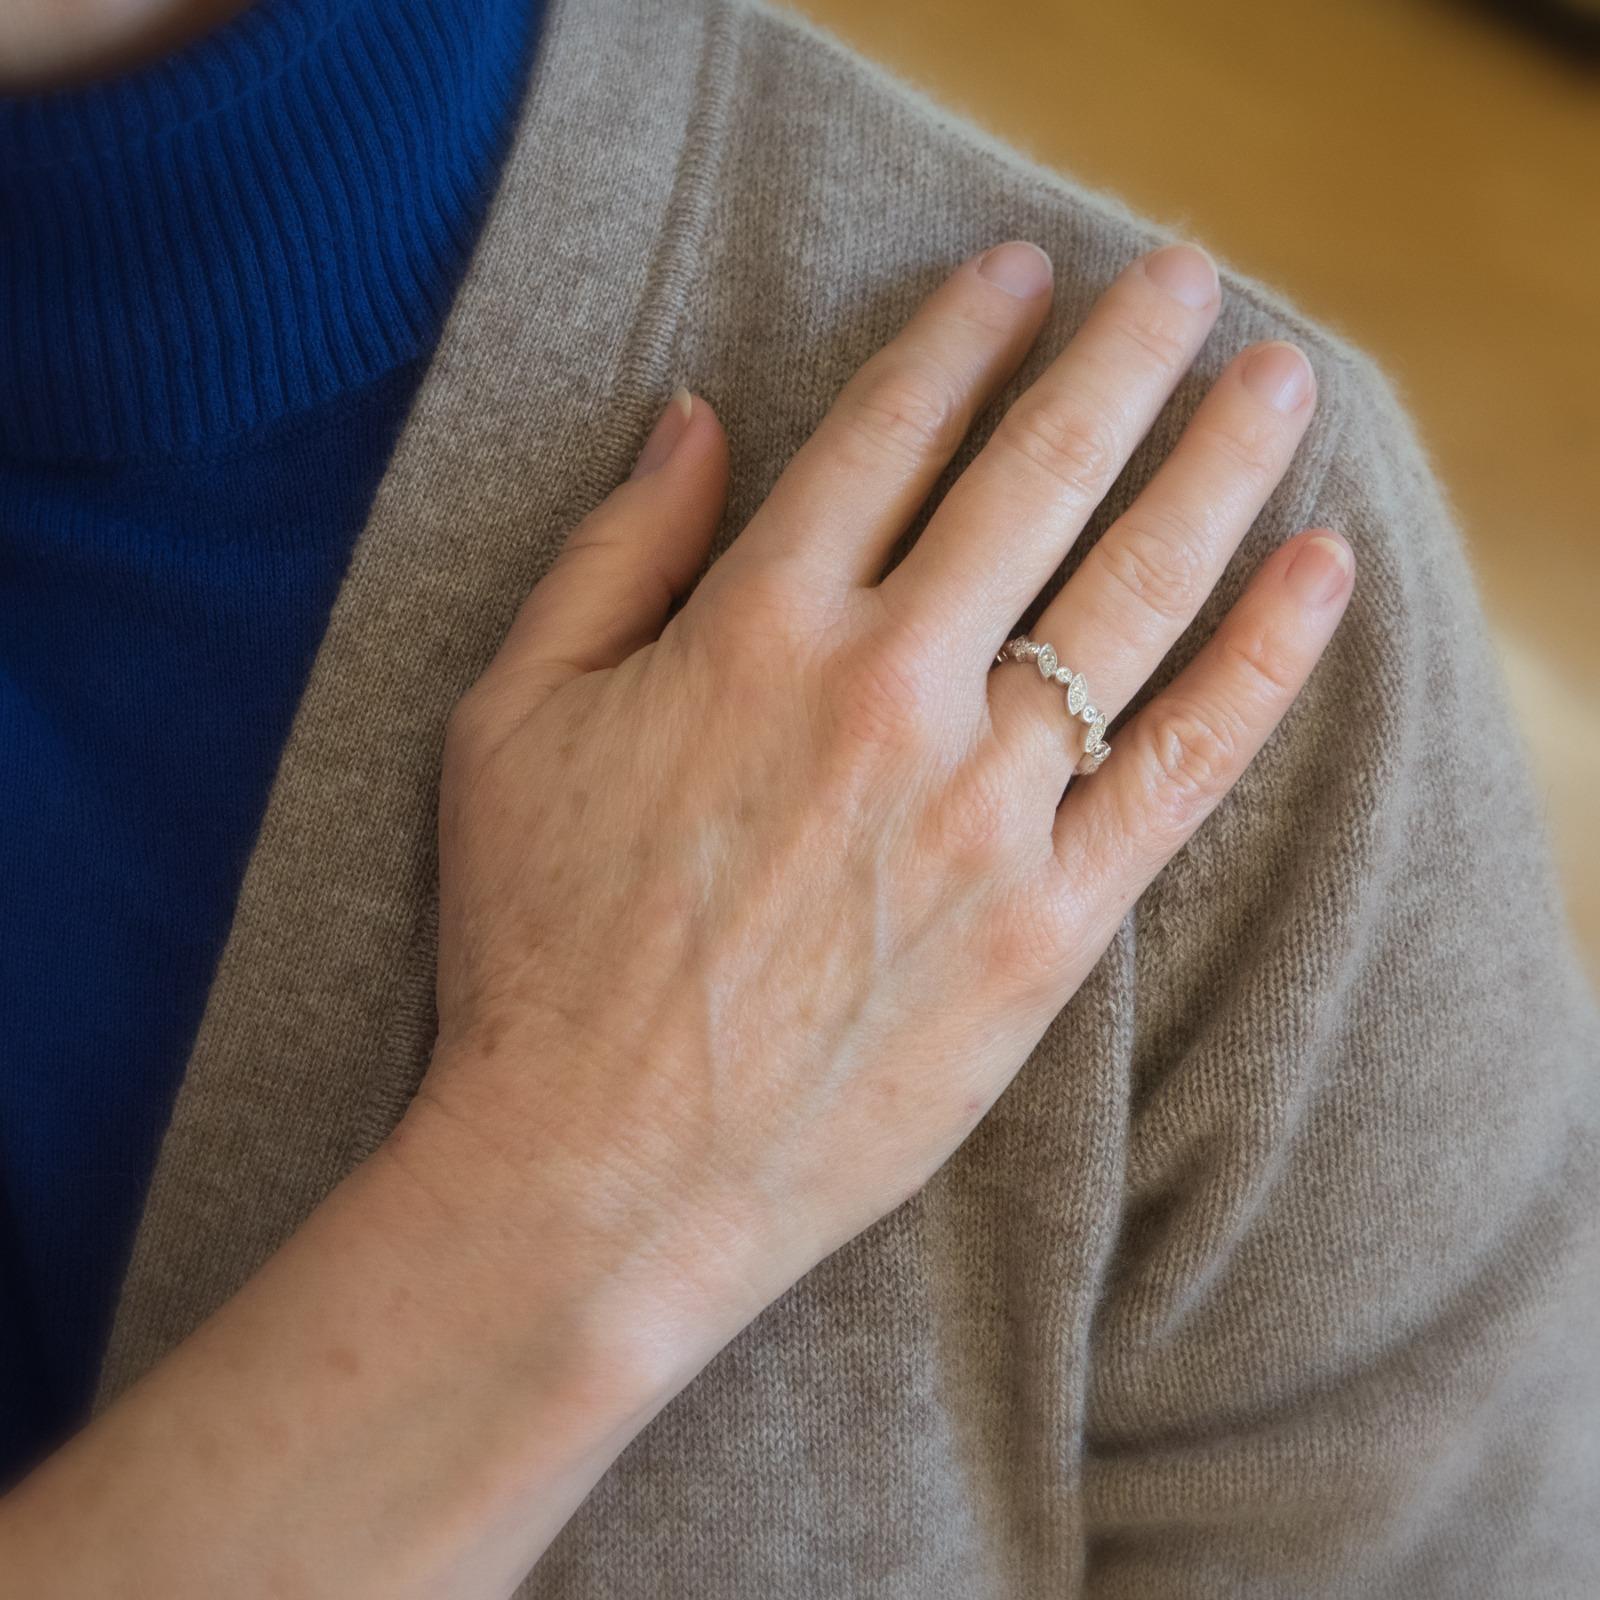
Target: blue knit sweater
pixel 220 278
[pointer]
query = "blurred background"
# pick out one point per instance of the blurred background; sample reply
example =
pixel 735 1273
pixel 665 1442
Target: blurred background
pixel 1451 226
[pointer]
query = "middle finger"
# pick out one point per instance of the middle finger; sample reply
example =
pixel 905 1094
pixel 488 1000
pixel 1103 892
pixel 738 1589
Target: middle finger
pixel 1148 575
pixel 1005 524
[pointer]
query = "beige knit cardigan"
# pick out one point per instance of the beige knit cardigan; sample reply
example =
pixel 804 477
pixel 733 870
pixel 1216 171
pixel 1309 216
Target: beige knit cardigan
pixel 1275 1271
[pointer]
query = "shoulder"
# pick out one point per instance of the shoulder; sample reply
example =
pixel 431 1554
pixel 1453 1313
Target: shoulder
pixel 865 177
pixel 845 193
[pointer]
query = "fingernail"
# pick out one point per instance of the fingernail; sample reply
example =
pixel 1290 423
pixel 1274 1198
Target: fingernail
pixel 1279 375
pixel 1018 267
pixel 1188 274
pixel 1320 569
pixel 665 435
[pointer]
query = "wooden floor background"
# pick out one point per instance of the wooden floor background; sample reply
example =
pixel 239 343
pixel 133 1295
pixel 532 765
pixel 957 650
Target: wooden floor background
pixel 1420 175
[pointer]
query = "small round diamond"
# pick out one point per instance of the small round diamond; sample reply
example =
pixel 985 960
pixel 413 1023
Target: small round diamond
pixel 1053 669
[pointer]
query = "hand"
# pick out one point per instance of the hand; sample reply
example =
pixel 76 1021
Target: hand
pixel 747 917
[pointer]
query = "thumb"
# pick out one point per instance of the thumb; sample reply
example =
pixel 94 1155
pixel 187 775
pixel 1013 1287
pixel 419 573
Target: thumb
pixel 611 587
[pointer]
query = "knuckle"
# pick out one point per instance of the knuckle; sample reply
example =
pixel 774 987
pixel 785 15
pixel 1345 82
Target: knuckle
pixel 1076 450
pixel 1263 660
pixel 590 547
pixel 909 412
pixel 1159 562
pixel 1249 448
pixel 1194 756
pixel 882 695
pixel 746 611
pixel 608 558
pixel 979 319
pixel 973 821
pixel 1157 336
pixel 1031 940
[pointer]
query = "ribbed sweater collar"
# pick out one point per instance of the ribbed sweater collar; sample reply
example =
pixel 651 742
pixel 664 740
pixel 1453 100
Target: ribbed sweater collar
pixel 268 217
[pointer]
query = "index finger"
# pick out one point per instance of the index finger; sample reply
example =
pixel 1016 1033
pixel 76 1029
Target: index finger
pixel 852 488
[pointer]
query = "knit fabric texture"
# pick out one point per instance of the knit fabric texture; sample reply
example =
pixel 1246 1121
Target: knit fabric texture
pixel 1274 1272
pixel 221 272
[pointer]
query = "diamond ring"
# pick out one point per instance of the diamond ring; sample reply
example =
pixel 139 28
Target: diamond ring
pixel 1043 656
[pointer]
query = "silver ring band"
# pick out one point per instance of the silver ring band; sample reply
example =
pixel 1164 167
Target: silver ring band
pixel 1044 657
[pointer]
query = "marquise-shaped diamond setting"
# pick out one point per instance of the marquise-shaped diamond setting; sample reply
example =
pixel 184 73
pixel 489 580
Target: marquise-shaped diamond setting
pixel 1052 668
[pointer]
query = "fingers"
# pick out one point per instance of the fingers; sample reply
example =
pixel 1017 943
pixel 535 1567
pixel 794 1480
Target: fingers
pixel 1150 572
pixel 1001 531
pixel 852 488
pixel 610 589
pixel 1183 752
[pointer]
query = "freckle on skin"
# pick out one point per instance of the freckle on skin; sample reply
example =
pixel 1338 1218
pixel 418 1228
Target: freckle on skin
pixel 342 1359
pixel 400 1299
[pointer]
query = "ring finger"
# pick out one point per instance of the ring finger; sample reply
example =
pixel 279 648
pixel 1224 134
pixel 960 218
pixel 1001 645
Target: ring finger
pixel 1145 579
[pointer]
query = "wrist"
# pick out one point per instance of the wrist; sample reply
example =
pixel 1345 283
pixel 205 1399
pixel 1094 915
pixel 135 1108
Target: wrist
pixel 445 1362
pixel 620 1294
